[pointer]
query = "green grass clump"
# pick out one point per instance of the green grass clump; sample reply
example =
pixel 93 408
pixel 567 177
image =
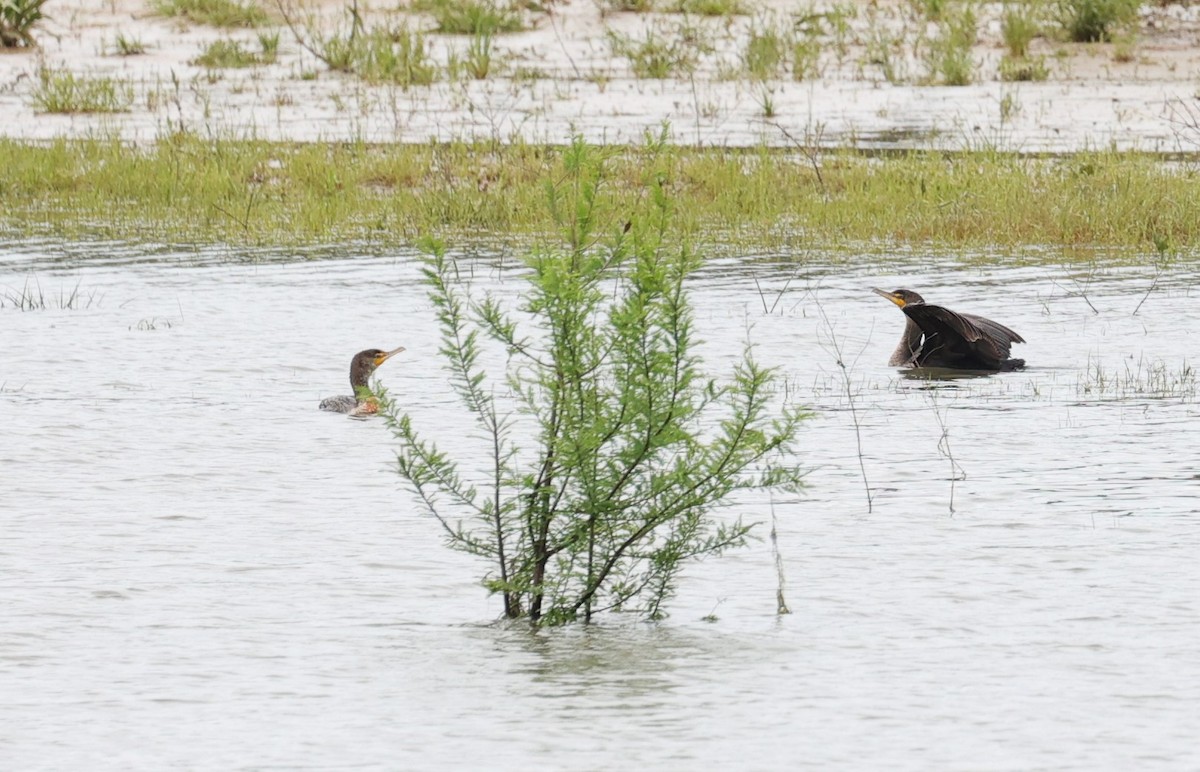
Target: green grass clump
pixel 218 13
pixel 127 45
pixel 932 10
pixel 626 6
pixel 1089 21
pixel 478 62
pixel 184 188
pixel 806 58
pixel 1030 68
pixel 1019 25
pixel 884 49
pixel 17 20
pixel 709 7
pixel 765 54
pixel 61 91
pixel 472 17
pixel 949 56
pixel 660 53
pixel 381 55
pixel 233 53
pixel 31 297
pixel 1124 49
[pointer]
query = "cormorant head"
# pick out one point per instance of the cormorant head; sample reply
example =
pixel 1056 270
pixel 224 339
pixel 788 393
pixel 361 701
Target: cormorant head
pixel 365 362
pixel 901 297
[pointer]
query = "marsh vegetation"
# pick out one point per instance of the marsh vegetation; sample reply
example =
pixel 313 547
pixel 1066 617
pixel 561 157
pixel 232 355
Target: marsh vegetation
pixel 187 188
pixel 940 42
pixel 468 69
pixel 59 90
pixel 234 53
pixel 217 13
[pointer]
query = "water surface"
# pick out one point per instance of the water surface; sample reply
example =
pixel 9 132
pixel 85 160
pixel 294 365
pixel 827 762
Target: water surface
pixel 202 571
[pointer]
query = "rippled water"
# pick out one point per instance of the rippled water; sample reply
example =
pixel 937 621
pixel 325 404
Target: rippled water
pixel 200 570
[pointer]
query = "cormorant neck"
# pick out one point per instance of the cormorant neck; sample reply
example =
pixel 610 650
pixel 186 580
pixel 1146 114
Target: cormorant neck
pixel 910 344
pixel 360 372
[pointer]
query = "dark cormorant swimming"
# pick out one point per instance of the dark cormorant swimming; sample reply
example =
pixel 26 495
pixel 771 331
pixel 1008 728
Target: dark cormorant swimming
pixel 938 337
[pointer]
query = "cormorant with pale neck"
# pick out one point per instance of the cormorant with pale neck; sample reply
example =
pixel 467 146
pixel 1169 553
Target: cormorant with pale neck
pixel 363 402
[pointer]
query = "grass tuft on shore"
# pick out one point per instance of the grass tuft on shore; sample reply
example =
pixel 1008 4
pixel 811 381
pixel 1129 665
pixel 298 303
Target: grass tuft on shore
pixel 217 13
pixel 58 90
pixel 186 189
pixel 234 53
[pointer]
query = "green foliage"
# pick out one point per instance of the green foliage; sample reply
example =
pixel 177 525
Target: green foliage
pixel 631 445
pixel 709 7
pixel 1019 25
pixel 233 53
pixel 61 91
pixel 882 47
pixel 661 54
pixel 472 17
pixel 1031 68
pixel 381 55
pixel 765 54
pixel 127 45
pixel 480 56
pixel 933 10
pixel 17 20
pixel 1124 50
pixel 218 13
pixel 765 97
pixel 478 61
pixel 1086 21
pixel 949 56
pixel 806 58
pixel 626 6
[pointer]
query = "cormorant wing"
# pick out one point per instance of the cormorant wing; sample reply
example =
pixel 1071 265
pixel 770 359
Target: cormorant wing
pixel 952 337
pixel 994 330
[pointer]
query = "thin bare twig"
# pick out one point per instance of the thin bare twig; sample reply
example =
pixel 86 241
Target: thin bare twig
pixel 355 27
pixel 1157 274
pixel 1081 292
pixel 956 472
pixel 1184 120
pixel 561 43
pixel 841 363
pixel 781 606
pixel 1159 266
pixel 807 150
pixel 778 295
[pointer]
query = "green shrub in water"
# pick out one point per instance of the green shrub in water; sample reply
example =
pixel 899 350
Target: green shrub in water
pixel 630 444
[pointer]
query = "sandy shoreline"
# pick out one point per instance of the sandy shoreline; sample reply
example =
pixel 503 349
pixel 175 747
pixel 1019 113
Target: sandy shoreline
pixel 1089 101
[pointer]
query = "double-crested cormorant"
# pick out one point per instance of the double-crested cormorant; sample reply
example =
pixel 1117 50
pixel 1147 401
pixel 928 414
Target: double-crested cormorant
pixel 361 367
pixel 938 337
